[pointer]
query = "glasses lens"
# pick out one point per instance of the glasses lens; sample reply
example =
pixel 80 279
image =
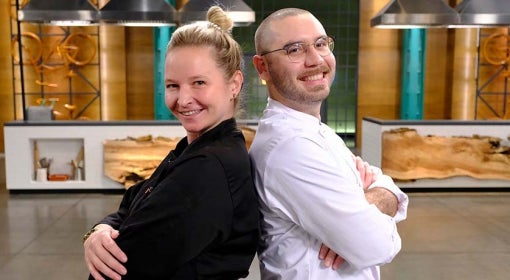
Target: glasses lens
pixel 324 46
pixel 331 44
pixel 295 51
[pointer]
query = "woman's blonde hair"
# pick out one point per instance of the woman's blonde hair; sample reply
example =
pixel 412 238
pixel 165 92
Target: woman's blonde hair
pixel 216 32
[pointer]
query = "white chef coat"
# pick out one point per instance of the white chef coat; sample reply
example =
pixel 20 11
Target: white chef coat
pixel 310 193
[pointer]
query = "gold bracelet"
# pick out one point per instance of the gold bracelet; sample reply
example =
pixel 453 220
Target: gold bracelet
pixel 87 235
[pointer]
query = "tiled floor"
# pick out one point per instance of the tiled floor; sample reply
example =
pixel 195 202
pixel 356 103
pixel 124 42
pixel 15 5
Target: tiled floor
pixel 446 236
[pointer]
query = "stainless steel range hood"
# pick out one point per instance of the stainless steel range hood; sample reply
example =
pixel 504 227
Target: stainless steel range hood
pixel 415 13
pixel 436 13
pixel 129 12
pixel 138 13
pixel 480 13
pixel 68 12
pixel 196 10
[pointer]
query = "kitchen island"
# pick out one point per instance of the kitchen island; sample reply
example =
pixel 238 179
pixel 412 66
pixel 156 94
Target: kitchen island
pixel 372 146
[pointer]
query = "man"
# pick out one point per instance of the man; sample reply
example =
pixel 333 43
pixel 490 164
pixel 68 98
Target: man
pixel 312 190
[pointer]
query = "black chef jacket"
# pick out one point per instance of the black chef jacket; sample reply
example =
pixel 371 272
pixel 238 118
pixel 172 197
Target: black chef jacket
pixel 196 217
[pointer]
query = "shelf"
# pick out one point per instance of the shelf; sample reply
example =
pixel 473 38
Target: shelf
pixel 62 141
pixel 64 156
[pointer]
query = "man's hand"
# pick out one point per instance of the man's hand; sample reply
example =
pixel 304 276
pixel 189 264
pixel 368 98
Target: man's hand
pixel 382 198
pixel 330 258
pixel 102 254
pixel 365 172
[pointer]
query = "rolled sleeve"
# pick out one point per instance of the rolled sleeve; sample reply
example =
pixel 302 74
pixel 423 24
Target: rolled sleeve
pixel 387 182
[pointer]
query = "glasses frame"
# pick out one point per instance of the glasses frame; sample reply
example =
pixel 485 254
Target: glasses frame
pixel 330 41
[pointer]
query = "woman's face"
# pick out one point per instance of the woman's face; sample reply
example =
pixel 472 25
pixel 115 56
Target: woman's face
pixel 196 90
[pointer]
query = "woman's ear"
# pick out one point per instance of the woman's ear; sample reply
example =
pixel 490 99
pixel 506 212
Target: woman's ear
pixel 237 82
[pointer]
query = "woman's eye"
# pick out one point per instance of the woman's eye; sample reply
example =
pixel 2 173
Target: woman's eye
pixel 172 86
pixel 199 83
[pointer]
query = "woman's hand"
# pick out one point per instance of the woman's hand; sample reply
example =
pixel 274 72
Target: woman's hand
pixel 103 255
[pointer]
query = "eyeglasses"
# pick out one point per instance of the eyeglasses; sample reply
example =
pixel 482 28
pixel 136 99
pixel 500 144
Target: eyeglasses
pixel 297 51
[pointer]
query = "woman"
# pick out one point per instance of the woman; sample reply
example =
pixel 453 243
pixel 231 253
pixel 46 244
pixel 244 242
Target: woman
pixel 196 217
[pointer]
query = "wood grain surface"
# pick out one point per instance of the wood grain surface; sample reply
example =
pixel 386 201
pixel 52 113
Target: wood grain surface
pixel 406 155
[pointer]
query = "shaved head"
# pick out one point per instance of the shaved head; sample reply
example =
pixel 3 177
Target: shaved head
pixel 265 34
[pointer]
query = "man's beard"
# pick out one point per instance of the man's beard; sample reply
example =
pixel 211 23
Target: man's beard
pixel 290 89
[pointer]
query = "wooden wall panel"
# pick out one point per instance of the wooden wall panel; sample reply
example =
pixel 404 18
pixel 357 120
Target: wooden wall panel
pixel 378 68
pixel 7 103
pixel 113 72
pixel 438 71
pixel 140 73
pixel 464 73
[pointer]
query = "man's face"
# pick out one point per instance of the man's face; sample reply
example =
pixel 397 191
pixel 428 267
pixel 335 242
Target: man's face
pixel 305 79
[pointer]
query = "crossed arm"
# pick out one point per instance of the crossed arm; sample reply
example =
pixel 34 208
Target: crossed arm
pixel 167 220
pixel 382 198
pixel 102 254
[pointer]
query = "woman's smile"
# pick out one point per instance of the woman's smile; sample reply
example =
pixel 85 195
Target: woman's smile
pixel 190 113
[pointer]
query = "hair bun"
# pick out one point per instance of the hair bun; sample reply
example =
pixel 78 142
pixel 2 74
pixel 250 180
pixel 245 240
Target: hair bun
pixel 217 16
